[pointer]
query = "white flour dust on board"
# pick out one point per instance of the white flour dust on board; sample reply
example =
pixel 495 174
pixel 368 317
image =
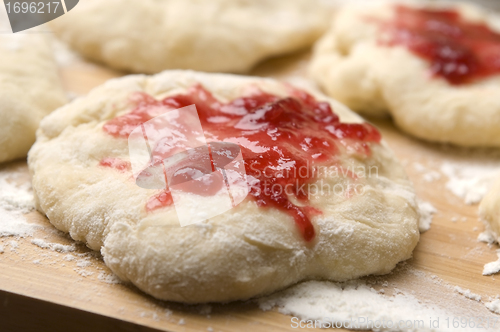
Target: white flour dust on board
pixel 467 293
pixel 494 306
pixel 54 246
pixel 471 180
pixel 428 175
pixel 15 201
pixel 487 237
pixel 352 305
pixel 468 173
pixel 493 267
pixel 426 211
pixel 109 278
pixel 406 300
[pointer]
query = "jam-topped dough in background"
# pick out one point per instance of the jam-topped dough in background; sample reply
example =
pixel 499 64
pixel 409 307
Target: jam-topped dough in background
pixel 457 50
pixel 434 67
pixel 359 218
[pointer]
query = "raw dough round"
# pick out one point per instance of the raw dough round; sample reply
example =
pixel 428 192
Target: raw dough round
pixel 489 211
pixel 30 88
pixel 242 253
pixel 352 65
pixel 149 36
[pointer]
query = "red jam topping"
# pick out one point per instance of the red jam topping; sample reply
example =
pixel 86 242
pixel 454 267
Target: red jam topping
pixel 281 140
pixel 115 163
pixel 163 199
pixel 458 50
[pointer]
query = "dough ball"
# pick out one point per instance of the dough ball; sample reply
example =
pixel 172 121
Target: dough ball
pixel 149 36
pixel 30 89
pixel 355 216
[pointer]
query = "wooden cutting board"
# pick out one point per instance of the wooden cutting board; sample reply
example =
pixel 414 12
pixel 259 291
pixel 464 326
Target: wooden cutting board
pixel 42 289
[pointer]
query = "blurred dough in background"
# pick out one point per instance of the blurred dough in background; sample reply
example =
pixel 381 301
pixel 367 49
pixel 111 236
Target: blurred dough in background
pixel 149 36
pixel 370 61
pixel 30 88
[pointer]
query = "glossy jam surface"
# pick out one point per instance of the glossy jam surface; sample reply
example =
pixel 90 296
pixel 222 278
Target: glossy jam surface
pixel 160 200
pixel 458 50
pixel 277 136
pixel 116 163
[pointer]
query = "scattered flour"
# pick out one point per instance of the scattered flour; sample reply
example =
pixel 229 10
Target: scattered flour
pixel 69 258
pixel 426 213
pixel 54 246
pixel 15 200
pixel 14 245
pixel 108 278
pixel 419 167
pixel 347 303
pixel 62 248
pixel 470 180
pixel 83 273
pixel 467 293
pixel 406 294
pixel 487 237
pixel 494 306
pixel 83 263
pixel 181 321
pixel 41 243
pixel 493 267
pixel 429 175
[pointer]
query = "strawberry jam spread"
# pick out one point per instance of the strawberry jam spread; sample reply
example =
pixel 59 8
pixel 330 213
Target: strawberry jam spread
pixel 116 163
pixel 459 51
pixel 277 137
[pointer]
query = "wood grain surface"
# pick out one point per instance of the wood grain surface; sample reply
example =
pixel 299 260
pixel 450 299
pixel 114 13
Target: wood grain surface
pixel 41 290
